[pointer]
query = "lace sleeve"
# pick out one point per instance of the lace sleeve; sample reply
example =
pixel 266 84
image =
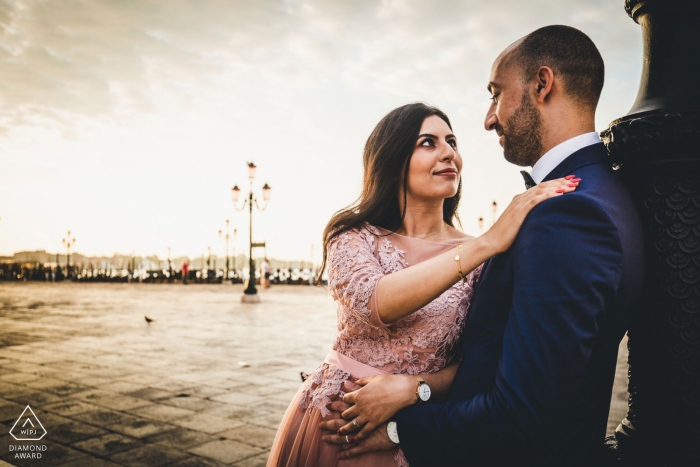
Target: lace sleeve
pixel 353 272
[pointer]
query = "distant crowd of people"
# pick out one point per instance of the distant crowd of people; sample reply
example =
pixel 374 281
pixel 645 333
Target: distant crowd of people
pixel 47 273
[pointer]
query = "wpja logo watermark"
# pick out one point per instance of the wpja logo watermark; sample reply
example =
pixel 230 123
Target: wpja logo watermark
pixel 28 428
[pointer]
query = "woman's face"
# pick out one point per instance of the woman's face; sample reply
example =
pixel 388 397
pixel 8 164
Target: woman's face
pixel 436 165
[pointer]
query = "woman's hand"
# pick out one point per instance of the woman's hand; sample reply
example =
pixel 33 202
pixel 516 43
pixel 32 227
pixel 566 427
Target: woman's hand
pixel 380 398
pixel 502 235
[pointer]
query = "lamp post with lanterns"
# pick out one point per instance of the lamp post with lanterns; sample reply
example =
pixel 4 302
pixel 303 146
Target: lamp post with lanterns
pixel 227 237
pixel 68 243
pixel 250 294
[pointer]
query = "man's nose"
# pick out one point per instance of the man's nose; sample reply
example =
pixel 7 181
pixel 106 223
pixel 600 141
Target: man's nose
pixel 490 122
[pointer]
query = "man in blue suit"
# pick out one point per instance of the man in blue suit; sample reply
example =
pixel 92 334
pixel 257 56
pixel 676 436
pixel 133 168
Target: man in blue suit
pixel 540 344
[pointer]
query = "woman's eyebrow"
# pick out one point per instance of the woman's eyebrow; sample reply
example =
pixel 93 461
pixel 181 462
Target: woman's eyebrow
pixel 428 135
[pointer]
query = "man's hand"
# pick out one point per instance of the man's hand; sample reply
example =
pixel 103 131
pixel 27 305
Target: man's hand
pixel 380 399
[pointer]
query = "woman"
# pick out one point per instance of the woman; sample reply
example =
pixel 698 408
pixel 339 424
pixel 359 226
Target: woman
pixel 392 318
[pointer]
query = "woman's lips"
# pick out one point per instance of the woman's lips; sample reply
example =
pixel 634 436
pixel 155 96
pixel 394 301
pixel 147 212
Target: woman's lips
pixel 446 173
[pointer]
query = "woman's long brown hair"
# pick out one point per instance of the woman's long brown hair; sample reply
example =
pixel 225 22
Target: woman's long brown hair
pixel 386 158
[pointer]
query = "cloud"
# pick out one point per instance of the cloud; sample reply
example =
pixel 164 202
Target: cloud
pixel 152 106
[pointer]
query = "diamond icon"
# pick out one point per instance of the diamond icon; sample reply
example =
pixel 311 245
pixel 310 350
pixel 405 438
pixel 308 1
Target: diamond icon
pixel 28 427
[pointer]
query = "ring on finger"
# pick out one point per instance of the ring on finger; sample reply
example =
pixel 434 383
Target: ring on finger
pixel 347 439
pixel 354 422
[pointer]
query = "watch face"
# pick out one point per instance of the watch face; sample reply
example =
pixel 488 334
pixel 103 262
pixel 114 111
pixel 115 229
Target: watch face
pixel 424 392
pixel 392 432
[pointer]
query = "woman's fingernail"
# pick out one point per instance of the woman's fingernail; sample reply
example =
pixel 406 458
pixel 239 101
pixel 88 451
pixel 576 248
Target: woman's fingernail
pixel 569 177
pixel 560 191
pixel 338 431
pixel 575 180
pixel 573 185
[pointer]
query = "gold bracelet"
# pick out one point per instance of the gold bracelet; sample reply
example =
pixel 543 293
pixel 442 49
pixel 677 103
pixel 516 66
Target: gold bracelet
pixel 460 274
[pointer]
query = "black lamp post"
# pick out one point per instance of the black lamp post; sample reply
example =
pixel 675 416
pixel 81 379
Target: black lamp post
pixel 250 294
pixel 655 146
pixel 68 243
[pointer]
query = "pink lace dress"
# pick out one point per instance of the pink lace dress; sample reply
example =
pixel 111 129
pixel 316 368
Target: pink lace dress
pixel 421 343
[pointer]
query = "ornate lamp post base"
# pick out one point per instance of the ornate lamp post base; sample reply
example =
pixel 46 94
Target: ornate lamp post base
pixel 657 146
pixel 250 298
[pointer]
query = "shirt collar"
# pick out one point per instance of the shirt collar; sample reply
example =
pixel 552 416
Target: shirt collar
pixel 560 152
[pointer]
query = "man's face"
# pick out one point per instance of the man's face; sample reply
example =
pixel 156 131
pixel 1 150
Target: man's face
pixel 513 113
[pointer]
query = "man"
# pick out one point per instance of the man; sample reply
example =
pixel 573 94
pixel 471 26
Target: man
pixel 540 344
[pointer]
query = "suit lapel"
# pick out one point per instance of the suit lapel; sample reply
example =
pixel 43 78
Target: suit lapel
pixel 594 154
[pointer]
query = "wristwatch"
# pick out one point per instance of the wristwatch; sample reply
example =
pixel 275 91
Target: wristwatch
pixel 392 432
pixel 422 391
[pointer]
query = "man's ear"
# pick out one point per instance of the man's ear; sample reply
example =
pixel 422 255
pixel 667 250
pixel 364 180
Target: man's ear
pixel 544 80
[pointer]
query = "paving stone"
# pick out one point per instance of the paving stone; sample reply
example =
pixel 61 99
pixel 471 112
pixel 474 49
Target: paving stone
pixel 206 423
pixel 107 445
pixel 171 385
pixel 121 386
pixel 271 421
pixel 254 435
pixel 255 390
pixel 11 412
pixel 151 394
pixel 273 406
pixel 36 398
pixel 204 391
pixel 19 378
pixel 181 438
pixel 237 398
pixel 148 456
pixel 104 418
pixel 72 432
pixel 89 461
pixel 162 413
pixel 50 420
pixel 67 389
pixel 94 381
pixel 141 427
pixel 255 461
pixel 225 451
pixel 239 412
pixel 71 407
pixel 191 403
pixel 196 461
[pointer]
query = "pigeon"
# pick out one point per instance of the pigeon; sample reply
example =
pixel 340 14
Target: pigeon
pixel 148 320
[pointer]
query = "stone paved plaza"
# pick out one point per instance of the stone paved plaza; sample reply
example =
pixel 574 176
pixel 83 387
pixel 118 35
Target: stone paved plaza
pixel 206 383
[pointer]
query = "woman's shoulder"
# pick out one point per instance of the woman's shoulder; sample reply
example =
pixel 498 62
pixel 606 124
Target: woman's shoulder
pixel 457 235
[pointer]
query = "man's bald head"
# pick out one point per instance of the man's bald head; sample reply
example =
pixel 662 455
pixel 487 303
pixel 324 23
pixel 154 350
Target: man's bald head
pixel 571 55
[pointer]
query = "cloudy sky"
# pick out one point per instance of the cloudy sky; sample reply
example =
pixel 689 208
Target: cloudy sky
pixel 129 121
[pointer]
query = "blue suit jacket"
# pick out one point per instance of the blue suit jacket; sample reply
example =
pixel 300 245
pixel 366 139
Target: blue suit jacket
pixel 541 340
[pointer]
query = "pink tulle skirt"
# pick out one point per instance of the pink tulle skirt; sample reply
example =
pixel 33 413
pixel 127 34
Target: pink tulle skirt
pixel 298 442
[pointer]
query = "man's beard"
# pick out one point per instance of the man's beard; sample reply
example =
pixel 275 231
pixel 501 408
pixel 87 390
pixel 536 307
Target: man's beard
pixel 522 135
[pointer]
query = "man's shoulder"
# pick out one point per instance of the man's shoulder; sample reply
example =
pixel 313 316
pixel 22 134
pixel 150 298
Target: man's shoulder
pixel 576 207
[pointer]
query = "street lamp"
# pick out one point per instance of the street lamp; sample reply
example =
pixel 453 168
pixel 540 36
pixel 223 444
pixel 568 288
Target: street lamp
pixel 227 237
pixel 250 294
pixel 170 267
pixel 68 243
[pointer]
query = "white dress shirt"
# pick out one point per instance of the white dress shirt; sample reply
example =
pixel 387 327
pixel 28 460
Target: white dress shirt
pixel 560 152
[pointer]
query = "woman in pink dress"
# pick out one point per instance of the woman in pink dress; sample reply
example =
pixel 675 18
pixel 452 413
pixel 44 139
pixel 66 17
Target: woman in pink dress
pixel 402 275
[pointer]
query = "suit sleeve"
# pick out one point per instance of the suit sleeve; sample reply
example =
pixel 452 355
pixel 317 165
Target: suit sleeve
pixel 566 263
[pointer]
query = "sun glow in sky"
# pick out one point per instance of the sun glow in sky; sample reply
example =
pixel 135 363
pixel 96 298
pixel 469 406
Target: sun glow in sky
pixel 128 122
